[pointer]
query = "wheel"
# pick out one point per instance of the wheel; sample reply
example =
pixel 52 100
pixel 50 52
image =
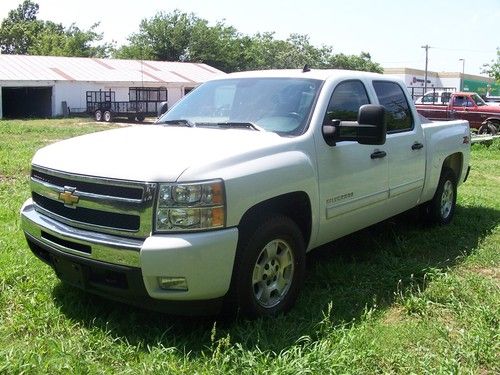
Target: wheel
pixel 140 118
pixel 107 116
pixel 441 208
pixel 98 115
pixel 270 268
pixel 163 108
pixel 488 128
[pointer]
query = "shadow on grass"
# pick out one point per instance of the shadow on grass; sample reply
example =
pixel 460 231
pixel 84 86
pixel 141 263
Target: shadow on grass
pixel 366 268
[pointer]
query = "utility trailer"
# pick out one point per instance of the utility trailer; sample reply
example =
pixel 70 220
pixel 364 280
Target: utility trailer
pixel 143 102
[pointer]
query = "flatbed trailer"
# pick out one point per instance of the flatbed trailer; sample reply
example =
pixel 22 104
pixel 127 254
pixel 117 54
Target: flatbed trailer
pixel 143 102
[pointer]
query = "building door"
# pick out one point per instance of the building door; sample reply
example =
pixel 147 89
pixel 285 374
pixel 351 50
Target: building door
pixel 24 102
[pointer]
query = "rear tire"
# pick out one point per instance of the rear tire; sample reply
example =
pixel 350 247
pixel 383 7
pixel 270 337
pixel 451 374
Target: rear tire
pixel 108 117
pixel 140 118
pixel 98 115
pixel 269 268
pixel 441 209
pixel 488 128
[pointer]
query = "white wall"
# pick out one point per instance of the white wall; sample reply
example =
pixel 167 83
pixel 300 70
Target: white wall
pixel 74 93
pixel 451 82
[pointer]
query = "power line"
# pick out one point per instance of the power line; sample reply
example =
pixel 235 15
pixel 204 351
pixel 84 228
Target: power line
pixel 462 50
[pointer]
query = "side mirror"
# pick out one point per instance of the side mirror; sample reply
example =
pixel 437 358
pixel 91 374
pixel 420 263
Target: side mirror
pixel 370 129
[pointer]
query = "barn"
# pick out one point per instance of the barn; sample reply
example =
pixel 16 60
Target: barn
pixel 48 86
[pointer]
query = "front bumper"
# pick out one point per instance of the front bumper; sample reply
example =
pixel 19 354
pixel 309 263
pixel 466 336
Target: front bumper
pixel 128 269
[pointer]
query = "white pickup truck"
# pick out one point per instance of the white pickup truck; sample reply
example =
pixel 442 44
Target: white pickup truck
pixel 222 198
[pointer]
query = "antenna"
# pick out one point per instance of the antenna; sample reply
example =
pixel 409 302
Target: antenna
pixel 306 69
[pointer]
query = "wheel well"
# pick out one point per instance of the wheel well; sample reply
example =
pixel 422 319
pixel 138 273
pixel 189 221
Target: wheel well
pixel 454 162
pixel 296 206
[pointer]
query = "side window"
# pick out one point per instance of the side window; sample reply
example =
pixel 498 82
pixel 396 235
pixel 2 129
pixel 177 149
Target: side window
pixel 459 101
pixel 392 97
pixel 346 99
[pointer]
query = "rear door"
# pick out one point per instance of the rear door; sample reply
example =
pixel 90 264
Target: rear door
pixel 405 148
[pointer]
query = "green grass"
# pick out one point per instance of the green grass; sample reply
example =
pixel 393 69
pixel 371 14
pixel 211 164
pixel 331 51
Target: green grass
pixel 398 297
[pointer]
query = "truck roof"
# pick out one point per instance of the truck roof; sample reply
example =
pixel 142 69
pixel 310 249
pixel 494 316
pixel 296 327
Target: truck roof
pixel 321 74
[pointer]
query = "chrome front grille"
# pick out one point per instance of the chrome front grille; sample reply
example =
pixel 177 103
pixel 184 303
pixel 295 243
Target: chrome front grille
pixel 103 205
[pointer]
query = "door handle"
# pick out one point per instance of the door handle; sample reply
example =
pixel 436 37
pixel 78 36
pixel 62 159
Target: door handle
pixel 417 146
pixel 378 155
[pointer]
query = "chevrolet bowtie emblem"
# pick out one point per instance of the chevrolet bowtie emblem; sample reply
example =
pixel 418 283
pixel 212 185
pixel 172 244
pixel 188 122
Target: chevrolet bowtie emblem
pixel 68 197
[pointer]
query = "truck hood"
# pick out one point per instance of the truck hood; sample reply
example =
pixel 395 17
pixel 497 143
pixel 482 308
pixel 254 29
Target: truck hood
pixel 151 153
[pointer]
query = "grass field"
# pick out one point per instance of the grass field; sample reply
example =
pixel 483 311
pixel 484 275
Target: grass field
pixel 398 297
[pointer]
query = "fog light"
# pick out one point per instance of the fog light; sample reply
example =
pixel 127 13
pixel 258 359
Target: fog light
pixel 172 283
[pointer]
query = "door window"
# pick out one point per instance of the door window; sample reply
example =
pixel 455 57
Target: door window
pixel 346 99
pixel 392 97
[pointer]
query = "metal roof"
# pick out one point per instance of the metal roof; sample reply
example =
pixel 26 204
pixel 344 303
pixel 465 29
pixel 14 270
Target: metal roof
pixel 72 69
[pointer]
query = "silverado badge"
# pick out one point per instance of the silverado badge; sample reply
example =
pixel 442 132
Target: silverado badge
pixel 68 197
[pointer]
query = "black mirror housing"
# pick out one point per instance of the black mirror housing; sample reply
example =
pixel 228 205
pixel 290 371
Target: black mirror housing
pixel 372 125
pixel 370 129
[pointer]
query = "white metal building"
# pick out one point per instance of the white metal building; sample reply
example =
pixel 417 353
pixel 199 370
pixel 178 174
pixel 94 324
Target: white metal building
pixel 459 81
pixel 38 85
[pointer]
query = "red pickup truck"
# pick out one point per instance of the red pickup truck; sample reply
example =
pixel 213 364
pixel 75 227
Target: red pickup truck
pixel 464 106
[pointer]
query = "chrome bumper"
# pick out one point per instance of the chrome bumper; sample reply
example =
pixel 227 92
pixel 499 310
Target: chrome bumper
pixel 96 246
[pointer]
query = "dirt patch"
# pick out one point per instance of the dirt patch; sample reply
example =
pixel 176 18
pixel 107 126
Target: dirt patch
pixel 493 273
pixel 394 315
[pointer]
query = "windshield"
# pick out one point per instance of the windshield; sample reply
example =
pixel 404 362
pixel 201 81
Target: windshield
pixel 280 105
pixel 479 101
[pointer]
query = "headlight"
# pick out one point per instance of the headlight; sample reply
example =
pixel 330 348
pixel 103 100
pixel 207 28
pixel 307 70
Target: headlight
pixel 194 206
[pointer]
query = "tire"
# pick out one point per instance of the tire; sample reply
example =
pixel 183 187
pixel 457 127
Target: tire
pixel 107 116
pixel 269 268
pixel 163 108
pixel 140 118
pixel 488 128
pixel 98 115
pixel 441 209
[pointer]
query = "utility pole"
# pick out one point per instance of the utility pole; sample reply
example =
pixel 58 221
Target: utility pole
pixel 463 74
pixel 426 64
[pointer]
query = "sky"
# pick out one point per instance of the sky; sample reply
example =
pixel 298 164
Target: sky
pixel 392 31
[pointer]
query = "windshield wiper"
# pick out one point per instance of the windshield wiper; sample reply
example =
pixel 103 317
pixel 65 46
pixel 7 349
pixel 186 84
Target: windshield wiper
pixel 182 122
pixel 238 125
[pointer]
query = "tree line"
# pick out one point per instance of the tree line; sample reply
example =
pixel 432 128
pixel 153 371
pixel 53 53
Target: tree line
pixel 178 36
pixel 174 36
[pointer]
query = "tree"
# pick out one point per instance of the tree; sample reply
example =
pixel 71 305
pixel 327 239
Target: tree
pixel 493 69
pixel 20 28
pixel 184 37
pixel 22 33
pixel 162 37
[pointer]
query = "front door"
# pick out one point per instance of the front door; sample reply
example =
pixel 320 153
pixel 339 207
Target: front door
pixel 353 178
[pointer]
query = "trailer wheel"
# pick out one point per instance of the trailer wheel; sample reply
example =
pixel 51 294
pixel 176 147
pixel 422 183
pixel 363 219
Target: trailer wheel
pixel 108 117
pixel 98 115
pixel 140 118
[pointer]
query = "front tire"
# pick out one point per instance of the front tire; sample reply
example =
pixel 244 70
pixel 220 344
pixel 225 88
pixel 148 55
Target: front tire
pixel 98 115
pixel 442 207
pixel 270 268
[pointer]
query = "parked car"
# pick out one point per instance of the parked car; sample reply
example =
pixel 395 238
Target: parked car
pixel 466 106
pixel 219 202
pixel 434 97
